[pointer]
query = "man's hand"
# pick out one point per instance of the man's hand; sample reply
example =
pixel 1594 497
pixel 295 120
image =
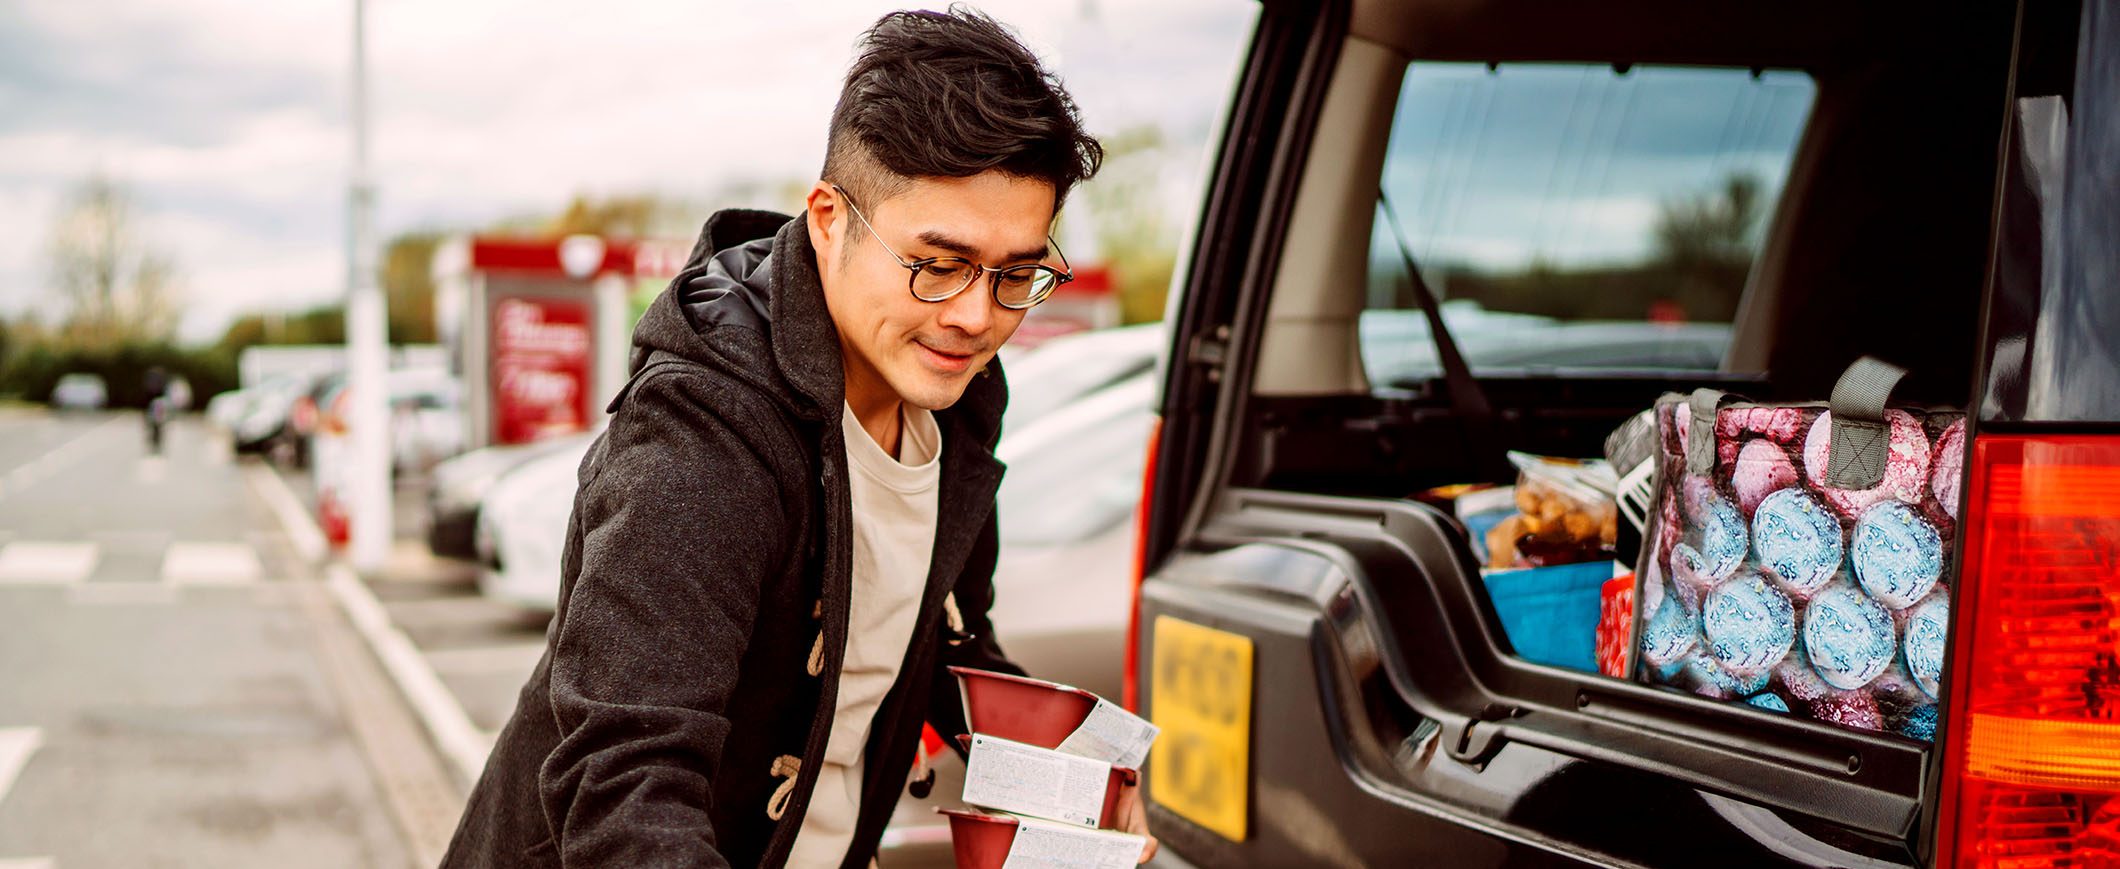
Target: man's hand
pixel 1133 818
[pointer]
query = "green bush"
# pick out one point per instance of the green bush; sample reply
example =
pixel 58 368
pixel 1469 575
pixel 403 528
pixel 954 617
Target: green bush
pixel 31 371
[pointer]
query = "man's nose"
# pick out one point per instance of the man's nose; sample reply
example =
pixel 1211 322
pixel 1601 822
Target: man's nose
pixel 971 311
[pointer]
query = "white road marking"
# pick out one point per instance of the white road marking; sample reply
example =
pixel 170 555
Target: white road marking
pixel 517 658
pixel 210 564
pixel 16 745
pixel 26 562
pixel 439 611
pixel 417 783
pixel 302 531
pixel 151 470
pixel 460 741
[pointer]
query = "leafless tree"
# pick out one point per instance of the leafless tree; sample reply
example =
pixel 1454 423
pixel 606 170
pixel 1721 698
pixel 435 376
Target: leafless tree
pixel 116 285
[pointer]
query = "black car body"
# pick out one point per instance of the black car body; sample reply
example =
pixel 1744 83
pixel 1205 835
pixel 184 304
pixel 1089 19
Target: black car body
pixel 1334 686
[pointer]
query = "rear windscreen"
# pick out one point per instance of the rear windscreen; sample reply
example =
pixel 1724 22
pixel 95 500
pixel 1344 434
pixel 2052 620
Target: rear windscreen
pixel 1573 215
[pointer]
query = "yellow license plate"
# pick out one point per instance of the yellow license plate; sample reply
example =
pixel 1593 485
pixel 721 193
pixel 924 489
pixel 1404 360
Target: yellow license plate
pixel 1200 695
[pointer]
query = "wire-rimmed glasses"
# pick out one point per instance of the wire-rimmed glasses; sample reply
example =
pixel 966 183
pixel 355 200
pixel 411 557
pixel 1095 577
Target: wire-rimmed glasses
pixel 940 278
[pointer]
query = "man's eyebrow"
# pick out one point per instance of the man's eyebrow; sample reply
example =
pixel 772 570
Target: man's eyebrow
pixel 934 238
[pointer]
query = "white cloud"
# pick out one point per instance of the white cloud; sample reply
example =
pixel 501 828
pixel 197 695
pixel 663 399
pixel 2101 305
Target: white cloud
pixel 225 271
pixel 24 237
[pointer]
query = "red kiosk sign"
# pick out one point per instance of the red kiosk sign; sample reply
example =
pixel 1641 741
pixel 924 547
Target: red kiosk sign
pixel 541 367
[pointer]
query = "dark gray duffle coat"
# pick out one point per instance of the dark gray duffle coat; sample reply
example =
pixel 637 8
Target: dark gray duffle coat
pixel 707 552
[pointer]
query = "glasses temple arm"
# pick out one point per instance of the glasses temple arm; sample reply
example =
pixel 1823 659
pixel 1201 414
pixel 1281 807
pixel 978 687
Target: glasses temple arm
pixel 1067 271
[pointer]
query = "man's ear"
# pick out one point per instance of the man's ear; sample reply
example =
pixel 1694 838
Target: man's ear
pixel 824 209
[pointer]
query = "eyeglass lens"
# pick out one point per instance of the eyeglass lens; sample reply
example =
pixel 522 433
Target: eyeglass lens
pixel 1017 286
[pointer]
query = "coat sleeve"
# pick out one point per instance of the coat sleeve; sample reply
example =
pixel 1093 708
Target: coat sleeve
pixel 681 526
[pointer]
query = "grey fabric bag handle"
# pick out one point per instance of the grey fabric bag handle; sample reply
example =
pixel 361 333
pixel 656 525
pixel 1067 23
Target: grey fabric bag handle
pixel 1703 405
pixel 1633 443
pixel 1862 440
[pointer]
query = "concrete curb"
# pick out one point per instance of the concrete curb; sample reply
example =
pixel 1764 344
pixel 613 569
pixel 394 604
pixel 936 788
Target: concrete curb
pixel 302 531
pixel 455 736
pixel 458 739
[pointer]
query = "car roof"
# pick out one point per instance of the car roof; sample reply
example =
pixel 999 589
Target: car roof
pixel 1135 395
pixel 1059 371
pixel 1144 340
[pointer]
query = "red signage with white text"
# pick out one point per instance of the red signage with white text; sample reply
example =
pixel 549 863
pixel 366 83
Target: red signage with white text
pixel 541 367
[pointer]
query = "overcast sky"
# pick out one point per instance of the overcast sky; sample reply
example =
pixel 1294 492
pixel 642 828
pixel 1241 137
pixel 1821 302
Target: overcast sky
pixel 228 118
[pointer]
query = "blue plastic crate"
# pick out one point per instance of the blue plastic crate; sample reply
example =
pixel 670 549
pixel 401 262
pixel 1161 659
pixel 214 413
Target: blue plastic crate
pixel 1550 613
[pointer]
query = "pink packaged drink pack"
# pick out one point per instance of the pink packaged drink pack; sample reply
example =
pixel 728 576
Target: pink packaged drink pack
pixel 1794 557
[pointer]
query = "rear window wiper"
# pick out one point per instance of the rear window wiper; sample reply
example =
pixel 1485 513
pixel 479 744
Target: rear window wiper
pixel 1467 400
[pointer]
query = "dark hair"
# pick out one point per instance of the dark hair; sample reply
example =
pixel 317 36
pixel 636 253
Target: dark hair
pixel 950 95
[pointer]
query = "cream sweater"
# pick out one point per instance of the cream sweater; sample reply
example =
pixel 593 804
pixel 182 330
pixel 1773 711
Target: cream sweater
pixel 895 505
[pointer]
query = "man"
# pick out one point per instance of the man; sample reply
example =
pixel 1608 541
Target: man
pixel 154 388
pixel 787 533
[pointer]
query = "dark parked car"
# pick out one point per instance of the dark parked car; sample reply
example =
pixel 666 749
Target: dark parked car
pixel 459 484
pixel 1814 182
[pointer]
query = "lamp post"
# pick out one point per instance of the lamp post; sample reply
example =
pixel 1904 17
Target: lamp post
pixel 367 477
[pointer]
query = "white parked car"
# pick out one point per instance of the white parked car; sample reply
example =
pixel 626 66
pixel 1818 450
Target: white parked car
pixel 1064 582
pixel 426 423
pixel 225 408
pixel 522 525
pixel 80 391
pixel 1075 444
pixel 1076 364
pixel 459 484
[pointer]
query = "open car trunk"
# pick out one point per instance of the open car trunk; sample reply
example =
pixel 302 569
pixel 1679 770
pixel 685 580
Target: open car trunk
pixel 1879 245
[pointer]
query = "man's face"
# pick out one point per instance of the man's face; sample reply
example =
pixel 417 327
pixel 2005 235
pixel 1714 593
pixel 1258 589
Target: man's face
pixel 896 346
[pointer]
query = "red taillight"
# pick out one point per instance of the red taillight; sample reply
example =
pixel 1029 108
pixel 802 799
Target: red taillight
pixel 1130 691
pixel 2032 767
